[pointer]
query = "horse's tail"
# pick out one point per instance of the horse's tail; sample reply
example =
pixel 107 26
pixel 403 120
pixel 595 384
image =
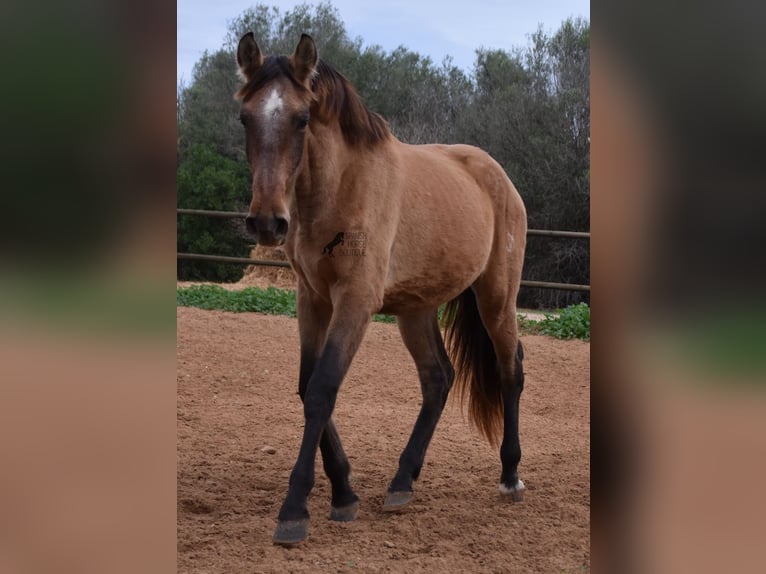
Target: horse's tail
pixel 473 356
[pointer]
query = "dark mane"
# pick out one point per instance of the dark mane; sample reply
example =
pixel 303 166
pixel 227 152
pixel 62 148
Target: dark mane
pixel 334 98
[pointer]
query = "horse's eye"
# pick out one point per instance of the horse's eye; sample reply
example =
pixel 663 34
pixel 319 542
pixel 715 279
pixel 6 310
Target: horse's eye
pixel 303 121
pixel 243 119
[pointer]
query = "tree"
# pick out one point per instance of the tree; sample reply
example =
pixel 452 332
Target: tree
pixel 531 112
pixel 208 112
pixel 207 180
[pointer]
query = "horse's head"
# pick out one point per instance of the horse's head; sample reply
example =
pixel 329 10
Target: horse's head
pixel 275 113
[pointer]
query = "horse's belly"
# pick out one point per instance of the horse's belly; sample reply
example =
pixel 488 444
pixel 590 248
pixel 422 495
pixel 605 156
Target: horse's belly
pixel 429 273
pixel 437 284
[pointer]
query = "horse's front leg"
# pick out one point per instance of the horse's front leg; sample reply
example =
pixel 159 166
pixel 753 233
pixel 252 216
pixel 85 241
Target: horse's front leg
pixel 313 319
pixel 350 318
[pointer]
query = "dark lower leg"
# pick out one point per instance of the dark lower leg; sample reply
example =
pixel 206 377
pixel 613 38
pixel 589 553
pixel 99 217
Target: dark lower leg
pixel 336 467
pixel 344 336
pixel 423 340
pixel 334 458
pixel 435 383
pixel 337 331
pixel 510 449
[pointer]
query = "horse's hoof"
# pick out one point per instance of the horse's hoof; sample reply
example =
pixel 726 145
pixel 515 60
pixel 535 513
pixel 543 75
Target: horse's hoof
pixel 291 532
pixel 345 513
pixel 396 500
pixel 515 492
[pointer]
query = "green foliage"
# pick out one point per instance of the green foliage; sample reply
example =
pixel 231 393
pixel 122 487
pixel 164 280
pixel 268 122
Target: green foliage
pixel 207 180
pixel 570 323
pixel 531 112
pixel 528 326
pixel 208 115
pixel 271 301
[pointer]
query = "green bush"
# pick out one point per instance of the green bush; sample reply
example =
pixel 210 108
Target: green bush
pixel 572 322
pixel 207 180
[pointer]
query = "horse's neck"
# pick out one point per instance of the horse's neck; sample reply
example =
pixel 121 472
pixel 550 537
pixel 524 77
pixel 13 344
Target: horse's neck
pixel 318 185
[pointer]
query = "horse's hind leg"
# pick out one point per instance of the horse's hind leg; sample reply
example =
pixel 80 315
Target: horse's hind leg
pixel 496 299
pixel 313 319
pixel 510 449
pixel 423 339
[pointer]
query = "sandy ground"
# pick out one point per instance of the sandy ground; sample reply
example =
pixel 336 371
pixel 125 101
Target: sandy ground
pixel 239 427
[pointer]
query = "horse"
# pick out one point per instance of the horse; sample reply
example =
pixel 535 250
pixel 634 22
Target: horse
pixel 423 225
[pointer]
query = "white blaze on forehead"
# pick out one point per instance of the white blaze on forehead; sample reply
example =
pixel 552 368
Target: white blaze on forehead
pixel 273 104
pixel 271 110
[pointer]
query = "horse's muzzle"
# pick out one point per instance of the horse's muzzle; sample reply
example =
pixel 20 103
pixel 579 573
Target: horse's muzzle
pixel 268 229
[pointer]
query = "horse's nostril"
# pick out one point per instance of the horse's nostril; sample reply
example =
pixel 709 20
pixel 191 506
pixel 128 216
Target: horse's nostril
pixel 281 230
pixel 250 225
pixel 268 229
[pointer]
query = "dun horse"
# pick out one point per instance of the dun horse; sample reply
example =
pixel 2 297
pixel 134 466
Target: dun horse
pixel 422 225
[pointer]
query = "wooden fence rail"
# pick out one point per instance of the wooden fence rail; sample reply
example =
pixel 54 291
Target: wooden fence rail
pixel 247 261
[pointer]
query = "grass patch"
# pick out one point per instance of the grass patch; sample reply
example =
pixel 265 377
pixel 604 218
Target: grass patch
pixel 271 301
pixel 572 322
pixel 528 326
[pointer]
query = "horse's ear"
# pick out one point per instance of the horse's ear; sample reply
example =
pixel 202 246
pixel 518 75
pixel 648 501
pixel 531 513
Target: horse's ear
pixel 249 57
pixel 305 58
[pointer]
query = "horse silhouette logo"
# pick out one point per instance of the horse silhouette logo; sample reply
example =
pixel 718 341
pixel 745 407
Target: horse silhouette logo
pixel 338 240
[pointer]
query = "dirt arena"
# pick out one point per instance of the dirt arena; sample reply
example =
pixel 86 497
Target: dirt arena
pixel 239 427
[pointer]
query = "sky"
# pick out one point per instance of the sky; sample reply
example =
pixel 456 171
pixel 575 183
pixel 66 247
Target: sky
pixel 435 28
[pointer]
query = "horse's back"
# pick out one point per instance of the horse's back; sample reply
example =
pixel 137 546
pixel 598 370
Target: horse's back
pixel 466 180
